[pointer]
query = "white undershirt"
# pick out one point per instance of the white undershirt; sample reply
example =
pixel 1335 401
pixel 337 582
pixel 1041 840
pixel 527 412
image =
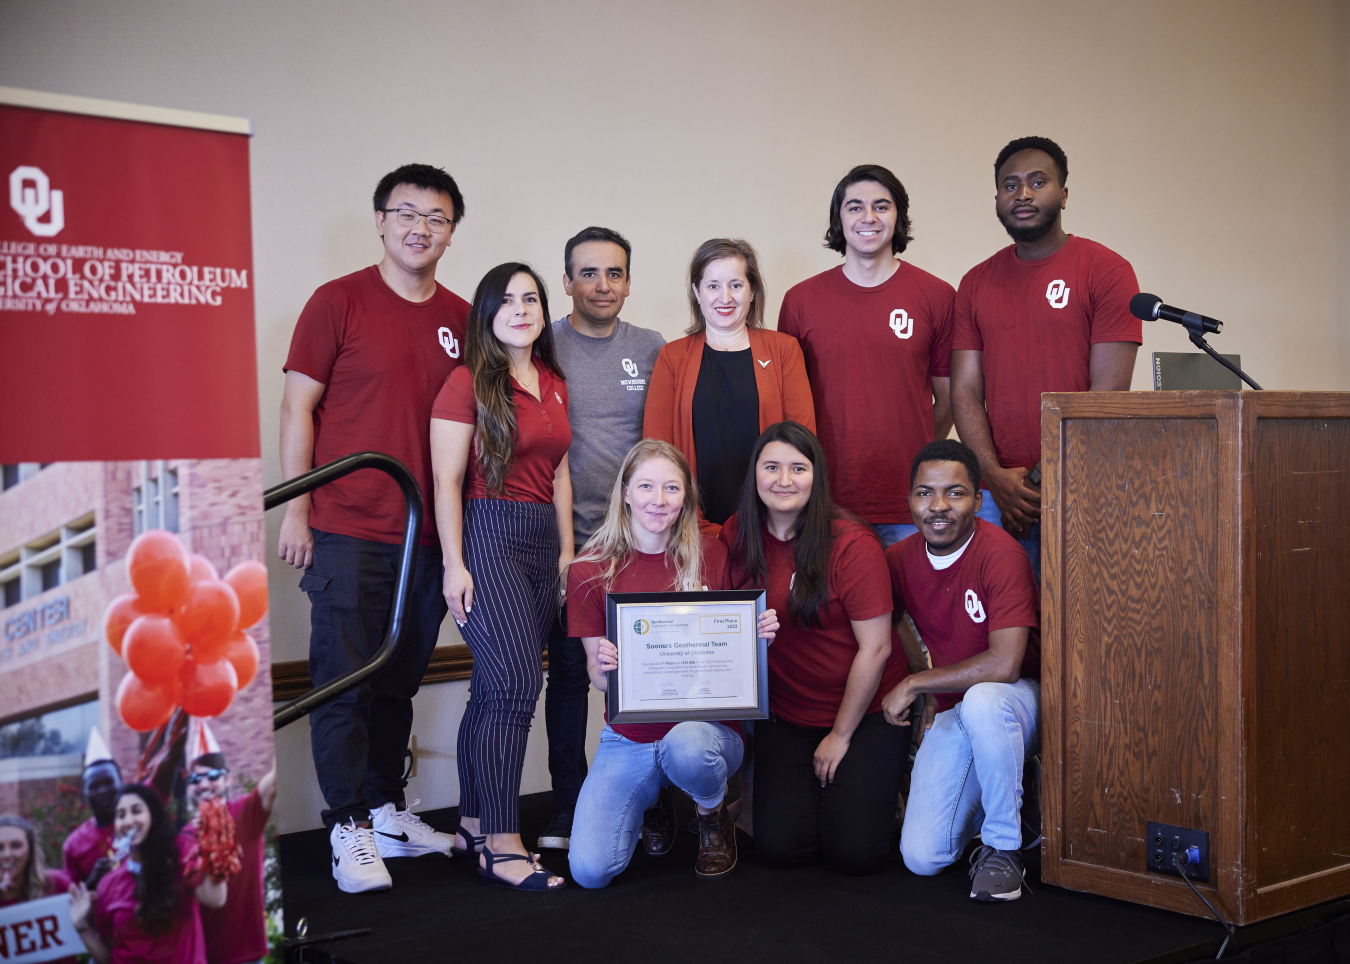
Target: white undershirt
pixel 946 562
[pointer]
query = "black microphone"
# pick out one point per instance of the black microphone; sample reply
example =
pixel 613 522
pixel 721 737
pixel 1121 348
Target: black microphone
pixel 1149 307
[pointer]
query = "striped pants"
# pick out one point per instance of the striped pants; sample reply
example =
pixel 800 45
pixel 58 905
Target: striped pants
pixel 511 550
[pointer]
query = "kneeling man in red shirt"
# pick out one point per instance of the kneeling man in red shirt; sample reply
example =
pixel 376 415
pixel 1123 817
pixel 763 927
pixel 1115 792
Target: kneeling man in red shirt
pixel 968 586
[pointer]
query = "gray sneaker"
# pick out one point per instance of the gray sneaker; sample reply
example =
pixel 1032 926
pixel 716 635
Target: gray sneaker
pixel 996 874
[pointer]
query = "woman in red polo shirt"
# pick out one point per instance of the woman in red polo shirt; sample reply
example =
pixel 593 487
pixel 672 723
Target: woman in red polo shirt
pixel 650 542
pixel 827 765
pixel 499 438
pixel 146 908
pixel 713 391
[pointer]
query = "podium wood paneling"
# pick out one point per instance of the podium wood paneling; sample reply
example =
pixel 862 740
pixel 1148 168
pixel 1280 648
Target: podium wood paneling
pixel 1196 637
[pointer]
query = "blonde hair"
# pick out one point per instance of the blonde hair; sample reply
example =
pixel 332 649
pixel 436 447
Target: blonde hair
pixel 613 542
pixel 33 879
pixel 717 249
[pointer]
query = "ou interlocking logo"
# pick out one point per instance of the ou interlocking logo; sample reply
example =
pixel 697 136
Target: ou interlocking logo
pixel 630 368
pixel 901 323
pixel 1057 294
pixel 448 342
pixel 974 608
pixel 31 196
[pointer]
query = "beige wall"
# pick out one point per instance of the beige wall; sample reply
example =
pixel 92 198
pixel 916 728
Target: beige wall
pixel 1206 140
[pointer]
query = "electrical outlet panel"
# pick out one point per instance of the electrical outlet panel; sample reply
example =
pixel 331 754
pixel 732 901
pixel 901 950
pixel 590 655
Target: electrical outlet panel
pixel 1165 840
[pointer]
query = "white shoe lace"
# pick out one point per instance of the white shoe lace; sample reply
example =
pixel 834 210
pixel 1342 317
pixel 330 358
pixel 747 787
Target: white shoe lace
pixel 359 843
pixel 412 821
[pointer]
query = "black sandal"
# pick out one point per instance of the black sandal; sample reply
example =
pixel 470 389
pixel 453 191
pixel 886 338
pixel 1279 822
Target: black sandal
pixel 537 881
pixel 475 843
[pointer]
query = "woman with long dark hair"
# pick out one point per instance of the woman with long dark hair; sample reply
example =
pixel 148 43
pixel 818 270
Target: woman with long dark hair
pixel 713 391
pixel 499 438
pixel 827 765
pixel 650 542
pixel 146 908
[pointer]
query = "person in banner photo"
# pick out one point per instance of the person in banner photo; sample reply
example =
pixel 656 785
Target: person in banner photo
pixel 147 908
pixel 649 541
pixel 827 767
pixel 237 932
pixel 369 352
pixel 92 840
pixel 24 875
pixel 499 439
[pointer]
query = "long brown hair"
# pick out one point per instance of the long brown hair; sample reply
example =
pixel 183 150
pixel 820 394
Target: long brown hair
pixel 159 884
pixel 613 542
pixel 813 530
pixel 33 881
pixel 495 433
pixel 716 249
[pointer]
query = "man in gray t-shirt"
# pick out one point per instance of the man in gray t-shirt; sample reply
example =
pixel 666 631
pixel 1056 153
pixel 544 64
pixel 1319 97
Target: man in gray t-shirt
pixel 608 364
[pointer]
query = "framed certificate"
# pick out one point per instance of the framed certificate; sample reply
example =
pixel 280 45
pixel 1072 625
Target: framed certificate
pixel 687 656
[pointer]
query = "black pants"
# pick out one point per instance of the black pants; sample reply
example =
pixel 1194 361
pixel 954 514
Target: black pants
pixel 849 822
pixel 511 550
pixel 359 739
pixel 565 706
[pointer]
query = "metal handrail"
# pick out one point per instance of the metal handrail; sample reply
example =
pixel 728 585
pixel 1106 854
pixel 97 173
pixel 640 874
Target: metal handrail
pixel 407 565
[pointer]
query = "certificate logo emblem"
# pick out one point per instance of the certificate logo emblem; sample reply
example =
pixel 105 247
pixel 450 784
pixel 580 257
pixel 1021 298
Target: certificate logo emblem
pixel 642 626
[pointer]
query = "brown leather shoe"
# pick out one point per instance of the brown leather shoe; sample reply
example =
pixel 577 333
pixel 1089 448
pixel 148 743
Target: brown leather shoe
pixel 716 844
pixel 658 824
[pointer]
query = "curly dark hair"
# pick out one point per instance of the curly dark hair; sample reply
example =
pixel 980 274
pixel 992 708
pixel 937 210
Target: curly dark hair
pixel 834 237
pixel 159 886
pixel 947 450
pixel 1035 144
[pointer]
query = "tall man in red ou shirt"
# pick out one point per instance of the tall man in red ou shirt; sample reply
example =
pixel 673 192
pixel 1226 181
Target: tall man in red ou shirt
pixel 369 354
pixel 876 334
pixel 1048 313
pixel 969 589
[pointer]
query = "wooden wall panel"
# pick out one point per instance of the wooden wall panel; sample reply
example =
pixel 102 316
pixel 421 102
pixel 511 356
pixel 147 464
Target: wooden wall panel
pixel 1299 757
pixel 1140 637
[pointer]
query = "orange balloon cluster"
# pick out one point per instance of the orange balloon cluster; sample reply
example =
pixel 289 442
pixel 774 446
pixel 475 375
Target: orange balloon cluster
pixel 182 631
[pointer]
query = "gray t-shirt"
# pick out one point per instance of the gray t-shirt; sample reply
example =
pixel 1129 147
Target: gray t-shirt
pixel 606 391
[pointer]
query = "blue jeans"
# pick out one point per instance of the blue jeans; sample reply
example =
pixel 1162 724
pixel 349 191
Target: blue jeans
pixel 989 511
pixel 893 532
pixel 626 778
pixel 968 776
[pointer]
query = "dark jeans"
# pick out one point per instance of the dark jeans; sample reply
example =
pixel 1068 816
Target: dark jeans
pixel 849 822
pixel 359 739
pixel 565 705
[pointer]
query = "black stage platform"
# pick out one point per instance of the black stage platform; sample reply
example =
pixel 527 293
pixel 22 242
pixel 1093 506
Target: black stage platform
pixel 658 911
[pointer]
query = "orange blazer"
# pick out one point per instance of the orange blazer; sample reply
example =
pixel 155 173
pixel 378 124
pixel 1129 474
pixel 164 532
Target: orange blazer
pixel 780 378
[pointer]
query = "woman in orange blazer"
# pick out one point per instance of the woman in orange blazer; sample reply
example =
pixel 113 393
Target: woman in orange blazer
pixel 714 391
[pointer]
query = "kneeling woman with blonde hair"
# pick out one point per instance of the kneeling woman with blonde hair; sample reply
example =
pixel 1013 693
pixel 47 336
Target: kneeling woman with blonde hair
pixel 649 542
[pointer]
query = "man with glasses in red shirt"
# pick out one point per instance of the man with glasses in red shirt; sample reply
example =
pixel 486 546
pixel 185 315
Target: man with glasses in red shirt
pixel 369 354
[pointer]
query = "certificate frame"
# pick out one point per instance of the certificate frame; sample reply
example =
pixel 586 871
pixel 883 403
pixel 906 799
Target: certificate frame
pixel 751 701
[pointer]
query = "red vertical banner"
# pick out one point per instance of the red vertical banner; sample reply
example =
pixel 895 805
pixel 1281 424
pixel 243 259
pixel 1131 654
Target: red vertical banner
pixel 126 289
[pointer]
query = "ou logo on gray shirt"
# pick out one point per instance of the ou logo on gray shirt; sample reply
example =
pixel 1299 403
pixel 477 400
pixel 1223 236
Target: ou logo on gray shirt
pixel 630 368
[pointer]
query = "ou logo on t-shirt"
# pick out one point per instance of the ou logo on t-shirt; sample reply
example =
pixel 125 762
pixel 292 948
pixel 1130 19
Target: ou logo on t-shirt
pixel 974 608
pixel 448 342
pixel 1057 294
pixel 630 368
pixel 901 323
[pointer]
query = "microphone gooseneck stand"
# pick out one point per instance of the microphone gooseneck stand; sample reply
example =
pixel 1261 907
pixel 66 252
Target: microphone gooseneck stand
pixel 1198 340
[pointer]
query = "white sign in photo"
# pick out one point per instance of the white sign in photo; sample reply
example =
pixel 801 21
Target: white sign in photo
pixel 38 930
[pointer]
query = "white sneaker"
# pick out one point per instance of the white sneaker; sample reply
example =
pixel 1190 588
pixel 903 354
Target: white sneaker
pixel 401 833
pixel 356 863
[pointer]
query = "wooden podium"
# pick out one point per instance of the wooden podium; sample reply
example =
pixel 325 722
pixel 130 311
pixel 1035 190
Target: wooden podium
pixel 1196 643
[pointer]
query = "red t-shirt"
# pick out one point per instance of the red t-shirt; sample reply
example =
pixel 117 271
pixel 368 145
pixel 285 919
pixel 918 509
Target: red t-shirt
pixel 872 355
pixel 237 932
pixel 83 848
pixel 808 668
pixel 644 572
pixel 57 883
pixel 955 609
pixel 542 434
pixel 383 359
pixel 1036 323
pixel 115 916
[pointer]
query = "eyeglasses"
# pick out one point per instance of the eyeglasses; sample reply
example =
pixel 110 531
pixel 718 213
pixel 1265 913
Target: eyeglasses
pixel 208 775
pixel 409 218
